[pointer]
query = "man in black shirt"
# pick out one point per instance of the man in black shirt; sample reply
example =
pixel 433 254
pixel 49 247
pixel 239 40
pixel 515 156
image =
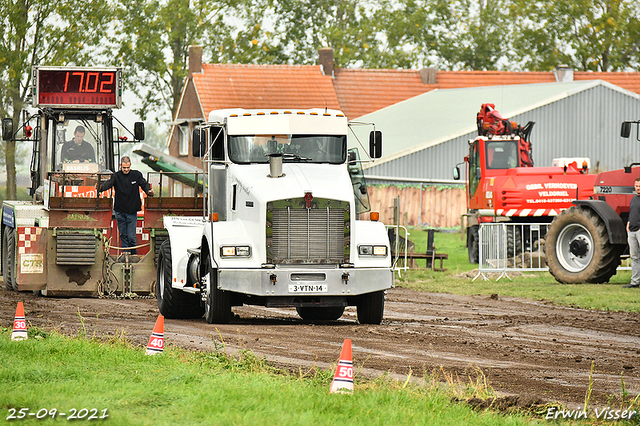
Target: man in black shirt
pixel 78 150
pixel 127 204
pixel 633 237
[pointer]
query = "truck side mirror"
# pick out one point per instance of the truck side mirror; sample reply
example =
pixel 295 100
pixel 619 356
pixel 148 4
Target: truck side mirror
pixel 375 144
pixel 138 131
pixel 352 157
pixel 199 140
pixel 625 130
pixel 456 173
pixel 7 129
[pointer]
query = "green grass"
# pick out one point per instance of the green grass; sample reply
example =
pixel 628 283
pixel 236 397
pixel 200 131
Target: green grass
pixel 538 286
pixel 187 388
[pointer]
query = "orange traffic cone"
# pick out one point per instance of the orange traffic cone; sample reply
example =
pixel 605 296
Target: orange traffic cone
pixel 343 379
pixel 19 324
pixel 156 342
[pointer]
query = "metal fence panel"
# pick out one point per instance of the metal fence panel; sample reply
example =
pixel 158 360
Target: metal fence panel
pixel 507 246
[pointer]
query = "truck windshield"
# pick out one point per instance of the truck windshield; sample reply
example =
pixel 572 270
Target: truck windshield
pixel 293 148
pixel 79 143
pixel 502 154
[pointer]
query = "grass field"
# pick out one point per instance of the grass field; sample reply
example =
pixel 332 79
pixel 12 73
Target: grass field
pixel 532 285
pixel 49 371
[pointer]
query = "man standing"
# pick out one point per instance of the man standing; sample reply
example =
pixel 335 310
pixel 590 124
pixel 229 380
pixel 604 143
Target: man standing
pixel 126 183
pixel 78 150
pixel 633 237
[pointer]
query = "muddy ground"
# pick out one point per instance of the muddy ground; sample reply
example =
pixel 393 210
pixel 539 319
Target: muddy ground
pixel 524 348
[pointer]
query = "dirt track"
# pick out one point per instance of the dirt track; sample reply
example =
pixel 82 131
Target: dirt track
pixel 524 348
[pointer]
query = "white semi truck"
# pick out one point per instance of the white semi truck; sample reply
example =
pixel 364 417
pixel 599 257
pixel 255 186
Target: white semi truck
pixel 280 223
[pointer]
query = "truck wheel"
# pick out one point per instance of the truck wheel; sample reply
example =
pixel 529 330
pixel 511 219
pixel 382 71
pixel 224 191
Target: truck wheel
pixel 172 302
pixel 9 259
pixel 217 308
pixel 370 308
pixel 314 313
pixel 473 244
pixel 578 248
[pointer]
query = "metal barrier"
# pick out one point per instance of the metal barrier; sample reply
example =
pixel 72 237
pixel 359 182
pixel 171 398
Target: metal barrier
pixel 507 246
pixel 398 246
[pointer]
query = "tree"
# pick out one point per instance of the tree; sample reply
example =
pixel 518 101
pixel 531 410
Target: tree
pixel 353 28
pixel 590 35
pixel 153 38
pixel 42 32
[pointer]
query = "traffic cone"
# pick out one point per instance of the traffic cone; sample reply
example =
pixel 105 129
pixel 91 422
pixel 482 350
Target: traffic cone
pixel 343 379
pixel 156 342
pixel 19 324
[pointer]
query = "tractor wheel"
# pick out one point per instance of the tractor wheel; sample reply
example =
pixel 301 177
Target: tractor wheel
pixel 331 313
pixel 9 259
pixel 578 248
pixel 473 244
pixel 370 308
pixel 217 309
pixel 172 302
pixel 514 240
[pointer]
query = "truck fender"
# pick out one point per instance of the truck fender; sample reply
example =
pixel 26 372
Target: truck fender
pixel 614 223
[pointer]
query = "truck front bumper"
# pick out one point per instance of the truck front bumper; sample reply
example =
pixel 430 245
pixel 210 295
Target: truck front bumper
pixel 305 282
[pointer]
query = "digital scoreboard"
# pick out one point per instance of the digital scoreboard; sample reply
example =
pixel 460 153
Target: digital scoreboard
pixel 77 87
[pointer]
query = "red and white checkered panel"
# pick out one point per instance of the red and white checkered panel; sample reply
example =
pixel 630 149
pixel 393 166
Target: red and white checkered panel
pixel 28 238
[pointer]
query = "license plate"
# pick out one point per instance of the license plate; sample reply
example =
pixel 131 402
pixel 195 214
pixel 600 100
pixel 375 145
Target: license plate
pixel 308 288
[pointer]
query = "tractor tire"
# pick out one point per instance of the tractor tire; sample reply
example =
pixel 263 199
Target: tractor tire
pixel 172 302
pixel 473 244
pixel 578 248
pixel 331 313
pixel 217 309
pixel 370 308
pixel 514 240
pixel 9 259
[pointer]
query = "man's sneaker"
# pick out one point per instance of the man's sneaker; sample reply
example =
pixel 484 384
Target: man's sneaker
pixel 632 285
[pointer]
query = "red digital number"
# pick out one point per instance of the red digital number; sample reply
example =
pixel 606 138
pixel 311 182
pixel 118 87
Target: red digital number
pixel 96 77
pixel 81 74
pixel 105 82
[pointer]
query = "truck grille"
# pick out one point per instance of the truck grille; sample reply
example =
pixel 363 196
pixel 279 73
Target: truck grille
pixel 75 249
pixel 300 235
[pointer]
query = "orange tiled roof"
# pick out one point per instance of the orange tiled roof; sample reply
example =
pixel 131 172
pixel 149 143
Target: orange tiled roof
pixel 222 86
pixel 354 91
pixel 362 91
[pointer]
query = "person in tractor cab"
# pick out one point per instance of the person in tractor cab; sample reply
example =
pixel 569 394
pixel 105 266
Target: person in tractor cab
pixel 78 150
pixel 633 237
pixel 127 204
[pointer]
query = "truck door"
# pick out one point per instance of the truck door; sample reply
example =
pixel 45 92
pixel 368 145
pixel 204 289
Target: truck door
pixel 357 180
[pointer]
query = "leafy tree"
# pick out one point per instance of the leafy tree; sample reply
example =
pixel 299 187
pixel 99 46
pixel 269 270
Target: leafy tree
pixel 353 28
pixel 42 32
pixel 153 39
pixel 590 35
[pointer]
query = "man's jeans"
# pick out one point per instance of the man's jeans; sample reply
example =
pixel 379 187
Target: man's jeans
pixel 127 227
pixel 633 239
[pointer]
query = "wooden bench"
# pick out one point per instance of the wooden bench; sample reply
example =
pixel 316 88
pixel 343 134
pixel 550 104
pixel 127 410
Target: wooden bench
pixel 429 257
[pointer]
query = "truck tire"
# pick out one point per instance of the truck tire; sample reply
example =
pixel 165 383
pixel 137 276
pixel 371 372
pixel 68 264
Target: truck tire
pixel 217 308
pixel 172 302
pixel 313 313
pixel 370 308
pixel 473 244
pixel 578 248
pixel 9 259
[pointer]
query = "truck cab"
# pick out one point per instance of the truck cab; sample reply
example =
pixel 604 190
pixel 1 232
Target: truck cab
pixel 280 227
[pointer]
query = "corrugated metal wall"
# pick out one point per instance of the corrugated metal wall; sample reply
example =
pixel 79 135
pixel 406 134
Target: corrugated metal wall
pixel 585 124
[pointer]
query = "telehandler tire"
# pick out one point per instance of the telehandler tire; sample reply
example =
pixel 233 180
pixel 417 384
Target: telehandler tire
pixel 578 248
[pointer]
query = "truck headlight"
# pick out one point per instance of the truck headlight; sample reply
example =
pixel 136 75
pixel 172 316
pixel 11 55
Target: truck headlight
pixel 372 250
pixel 235 251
